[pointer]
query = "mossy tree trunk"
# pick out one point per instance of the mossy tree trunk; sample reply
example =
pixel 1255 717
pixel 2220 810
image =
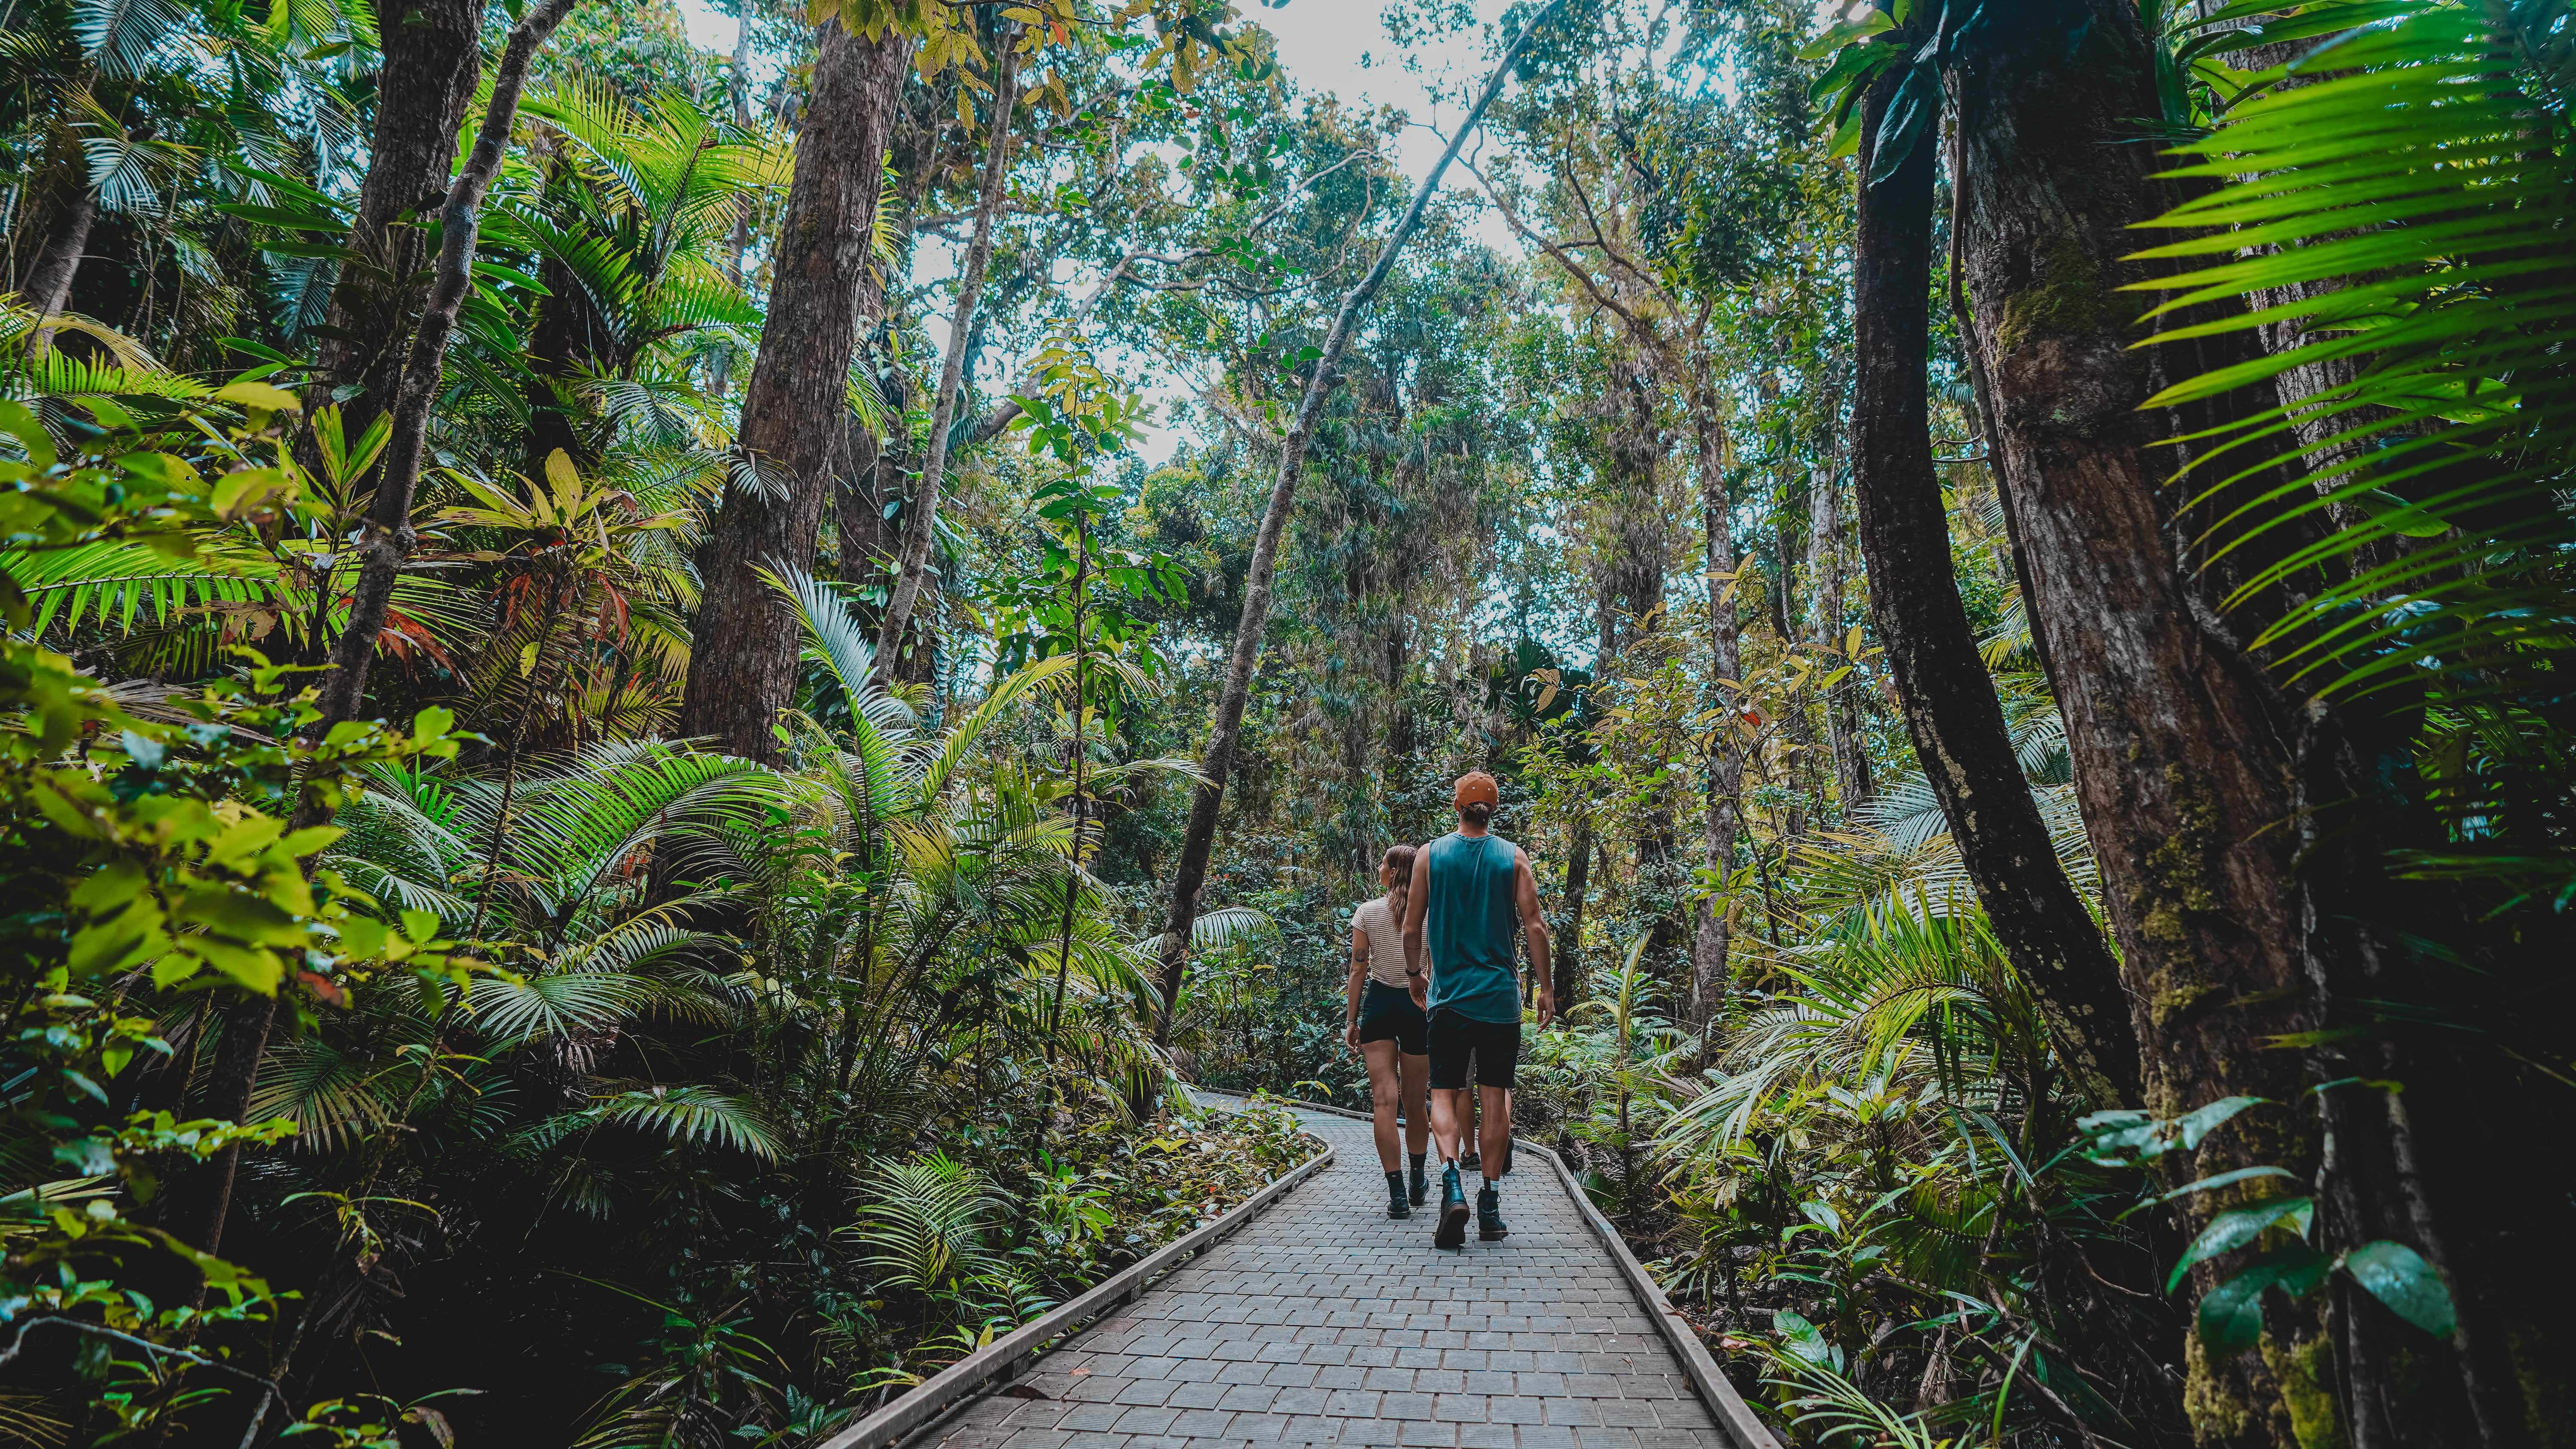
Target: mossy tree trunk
pixel 2181 750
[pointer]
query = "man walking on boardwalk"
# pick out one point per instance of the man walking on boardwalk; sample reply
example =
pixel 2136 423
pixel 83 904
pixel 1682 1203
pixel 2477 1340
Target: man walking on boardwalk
pixel 1472 892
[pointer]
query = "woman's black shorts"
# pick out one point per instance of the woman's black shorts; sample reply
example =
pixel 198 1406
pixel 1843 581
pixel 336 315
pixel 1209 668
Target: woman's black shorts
pixel 1387 1013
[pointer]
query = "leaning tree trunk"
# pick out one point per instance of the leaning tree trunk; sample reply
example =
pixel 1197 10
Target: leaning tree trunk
pixel 2182 756
pixel 742 670
pixel 384 548
pixel 1190 872
pixel 1942 685
pixel 433 57
pixel 922 519
pixel 47 288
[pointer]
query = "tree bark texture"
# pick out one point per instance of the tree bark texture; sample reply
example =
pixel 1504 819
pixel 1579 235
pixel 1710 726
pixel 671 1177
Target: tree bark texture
pixel 433 57
pixel 1189 873
pixel 2181 756
pixel 1948 699
pixel 48 285
pixel 921 521
pixel 742 671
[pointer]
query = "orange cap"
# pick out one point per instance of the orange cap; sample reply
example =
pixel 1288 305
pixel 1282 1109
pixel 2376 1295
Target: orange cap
pixel 1477 788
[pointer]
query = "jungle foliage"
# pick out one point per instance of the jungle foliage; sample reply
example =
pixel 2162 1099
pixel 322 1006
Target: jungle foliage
pixel 454 1029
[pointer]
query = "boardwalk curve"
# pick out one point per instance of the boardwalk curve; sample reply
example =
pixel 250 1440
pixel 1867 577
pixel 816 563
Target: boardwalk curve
pixel 1325 1322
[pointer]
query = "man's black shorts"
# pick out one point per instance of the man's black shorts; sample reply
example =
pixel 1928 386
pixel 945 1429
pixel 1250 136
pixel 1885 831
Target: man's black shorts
pixel 1387 1013
pixel 1496 1046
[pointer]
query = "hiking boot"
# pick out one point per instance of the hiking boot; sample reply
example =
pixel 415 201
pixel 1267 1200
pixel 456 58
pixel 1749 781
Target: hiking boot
pixel 1452 1231
pixel 1471 1162
pixel 1396 1206
pixel 1421 1191
pixel 1489 1216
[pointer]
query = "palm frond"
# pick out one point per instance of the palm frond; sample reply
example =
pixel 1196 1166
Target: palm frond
pixel 2399 198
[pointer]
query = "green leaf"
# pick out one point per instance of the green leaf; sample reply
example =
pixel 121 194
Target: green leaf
pixel 2231 1314
pixel 1802 1337
pixel 1917 102
pixel 1878 22
pixel 2236 1227
pixel 2398 1276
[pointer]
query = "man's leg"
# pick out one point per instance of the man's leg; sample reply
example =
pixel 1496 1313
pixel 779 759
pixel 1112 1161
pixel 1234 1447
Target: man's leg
pixel 1497 1060
pixel 1494 1142
pixel 1448 1039
pixel 1447 1128
pixel 1417 1122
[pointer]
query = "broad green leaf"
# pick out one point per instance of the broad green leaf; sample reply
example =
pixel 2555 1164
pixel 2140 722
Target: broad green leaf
pixel 2236 1227
pixel 2398 1276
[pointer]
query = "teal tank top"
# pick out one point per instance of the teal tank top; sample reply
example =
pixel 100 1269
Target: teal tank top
pixel 1467 927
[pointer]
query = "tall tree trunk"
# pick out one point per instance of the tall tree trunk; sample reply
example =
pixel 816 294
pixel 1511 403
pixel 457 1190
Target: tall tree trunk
pixel 384 548
pixel 1829 563
pixel 1723 815
pixel 1949 702
pixel 433 57
pixel 1189 873
pixel 921 521
pixel 2182 760
pixel 743 669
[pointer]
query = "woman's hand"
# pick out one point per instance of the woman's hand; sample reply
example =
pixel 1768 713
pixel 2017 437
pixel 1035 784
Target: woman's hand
pixel 1351 1033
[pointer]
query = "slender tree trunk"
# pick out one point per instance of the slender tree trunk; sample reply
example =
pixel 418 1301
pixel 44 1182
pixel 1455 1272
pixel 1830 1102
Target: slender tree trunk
pixel 1190 872
pixel 1566 956
pixel 1829 562
pixel 921 522
pixel 1712 933
pixel 2181 752
pixel 385 547
pixel 1800 708
pixel 743 669
pixel 433 57
pixel 1949 702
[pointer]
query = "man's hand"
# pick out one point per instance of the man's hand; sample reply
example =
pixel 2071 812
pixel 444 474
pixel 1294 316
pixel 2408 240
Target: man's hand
pixel 1546 1008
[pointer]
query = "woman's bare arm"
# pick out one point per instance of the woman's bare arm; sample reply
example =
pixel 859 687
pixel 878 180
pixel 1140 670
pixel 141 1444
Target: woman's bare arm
pixel 1359 974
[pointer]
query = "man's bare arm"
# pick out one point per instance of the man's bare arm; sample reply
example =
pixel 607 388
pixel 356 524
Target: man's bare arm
pixel 1534 925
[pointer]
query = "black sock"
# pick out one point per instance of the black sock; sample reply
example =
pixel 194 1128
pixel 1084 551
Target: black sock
pixel 1417 1160
pixel 1394 1180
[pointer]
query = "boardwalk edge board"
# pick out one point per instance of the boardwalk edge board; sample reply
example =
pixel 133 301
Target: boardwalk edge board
pixel 1735 1418
pixel 1008 1356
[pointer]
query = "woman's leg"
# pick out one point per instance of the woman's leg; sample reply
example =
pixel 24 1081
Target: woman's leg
pixel 1417 1104
pixel 1380 1056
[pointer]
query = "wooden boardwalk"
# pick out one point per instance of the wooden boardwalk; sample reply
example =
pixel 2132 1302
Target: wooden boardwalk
pixel 1326 1322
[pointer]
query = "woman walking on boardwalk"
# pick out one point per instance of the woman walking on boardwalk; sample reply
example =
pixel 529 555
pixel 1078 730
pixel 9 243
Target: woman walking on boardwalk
pixel 1385 1026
